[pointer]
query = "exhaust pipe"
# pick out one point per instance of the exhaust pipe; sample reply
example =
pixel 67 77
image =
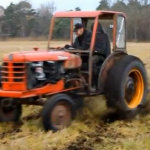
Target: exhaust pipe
pixel 6 102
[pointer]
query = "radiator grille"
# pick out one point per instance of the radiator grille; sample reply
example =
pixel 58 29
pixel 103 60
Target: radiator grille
pixel 13 72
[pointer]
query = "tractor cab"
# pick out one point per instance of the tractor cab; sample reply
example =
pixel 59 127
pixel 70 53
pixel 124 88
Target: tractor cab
pixel 107 28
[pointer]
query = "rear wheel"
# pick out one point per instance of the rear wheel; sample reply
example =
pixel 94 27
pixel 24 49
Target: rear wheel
pixel 58 112
pixel 126 85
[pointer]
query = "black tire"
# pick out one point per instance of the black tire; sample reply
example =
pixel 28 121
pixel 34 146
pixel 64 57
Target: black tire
pixel 49 107
pixel 10 114
pixel 131 70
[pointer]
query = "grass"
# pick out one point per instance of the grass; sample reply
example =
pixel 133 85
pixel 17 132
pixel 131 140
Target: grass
pixel 88 131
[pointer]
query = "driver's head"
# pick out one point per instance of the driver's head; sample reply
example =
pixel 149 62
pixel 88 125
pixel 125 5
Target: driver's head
pixel 79 29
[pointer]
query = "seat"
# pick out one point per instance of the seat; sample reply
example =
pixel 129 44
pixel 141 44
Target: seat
pixel 102 42
pixel 101 47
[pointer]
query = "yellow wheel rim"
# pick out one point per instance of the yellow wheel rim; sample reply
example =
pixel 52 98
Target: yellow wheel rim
pixel 135 91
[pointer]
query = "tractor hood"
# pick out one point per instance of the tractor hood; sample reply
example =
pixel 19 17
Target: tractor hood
pixel 28 56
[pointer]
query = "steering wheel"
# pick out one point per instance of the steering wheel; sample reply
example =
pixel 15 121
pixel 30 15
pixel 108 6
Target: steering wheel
pixel 62 48
pixel 66 47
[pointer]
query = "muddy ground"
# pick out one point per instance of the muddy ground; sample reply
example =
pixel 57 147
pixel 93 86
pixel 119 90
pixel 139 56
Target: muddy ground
pixel 109 130
pixel 104 135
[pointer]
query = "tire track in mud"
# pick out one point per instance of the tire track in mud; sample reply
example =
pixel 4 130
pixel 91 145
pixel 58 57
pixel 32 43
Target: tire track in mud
pixel 100 135
pixel 104 134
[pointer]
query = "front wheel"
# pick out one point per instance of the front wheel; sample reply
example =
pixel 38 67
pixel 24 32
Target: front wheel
pixel 126 84
pixel 58 112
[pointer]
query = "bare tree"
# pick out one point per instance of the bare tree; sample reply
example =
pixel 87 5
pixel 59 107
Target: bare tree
pixel 1 15
pixel 46 10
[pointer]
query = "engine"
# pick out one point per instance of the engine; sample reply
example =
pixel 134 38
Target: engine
pixel 45 72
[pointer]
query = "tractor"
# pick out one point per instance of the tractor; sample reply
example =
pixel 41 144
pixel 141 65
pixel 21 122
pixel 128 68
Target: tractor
pixel 56 79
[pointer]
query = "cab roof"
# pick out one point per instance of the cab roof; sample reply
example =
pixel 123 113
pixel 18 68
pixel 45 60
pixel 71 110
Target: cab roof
pixel 85 14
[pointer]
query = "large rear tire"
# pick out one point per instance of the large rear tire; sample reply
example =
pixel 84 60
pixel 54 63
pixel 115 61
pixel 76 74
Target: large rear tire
pixel 126 84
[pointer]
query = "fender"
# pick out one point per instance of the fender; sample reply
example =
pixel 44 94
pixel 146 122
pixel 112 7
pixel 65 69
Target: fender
pixel 109 61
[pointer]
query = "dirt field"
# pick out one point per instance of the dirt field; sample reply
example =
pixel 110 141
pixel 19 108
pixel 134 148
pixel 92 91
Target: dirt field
pixel 89 131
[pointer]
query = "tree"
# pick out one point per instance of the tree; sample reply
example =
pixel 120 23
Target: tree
pixel 21 20
pixel 134 16
pixel 25 15
pixel 103 4
pixel 45 13
pixel 1 11
pixel 1 15
pixel 9 25
pixel 120 5
pixel 78 9
pixel 16 19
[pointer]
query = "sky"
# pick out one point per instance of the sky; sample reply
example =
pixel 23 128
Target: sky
pixel 61 5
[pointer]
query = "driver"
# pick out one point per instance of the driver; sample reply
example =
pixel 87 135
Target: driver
pixel 83 39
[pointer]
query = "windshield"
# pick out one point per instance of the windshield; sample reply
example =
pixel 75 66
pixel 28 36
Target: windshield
pixel 61 31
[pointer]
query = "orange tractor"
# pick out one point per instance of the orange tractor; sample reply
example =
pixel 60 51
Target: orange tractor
pixel 56 75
